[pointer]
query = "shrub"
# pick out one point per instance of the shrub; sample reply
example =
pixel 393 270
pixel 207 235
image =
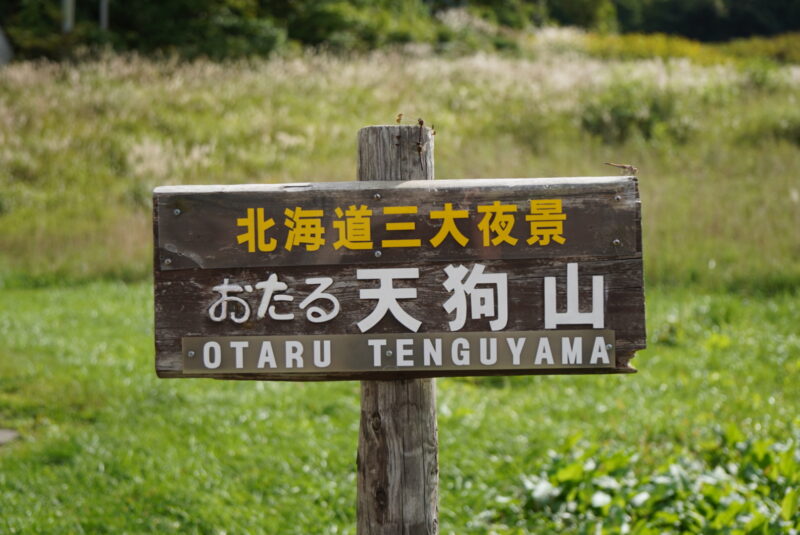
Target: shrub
pixel 234 28
pixel 762 75
pixel 778 49
pixel 781 125
pixel 625 109
pixel 214 28
pixel 232 36
pixel 641 46
pixel 593 14
pixel 738 485
pixel 533 125
pixel 781 48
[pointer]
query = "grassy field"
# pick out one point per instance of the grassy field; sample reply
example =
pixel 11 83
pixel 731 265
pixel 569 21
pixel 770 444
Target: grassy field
pixel 82 146
pixel 703 440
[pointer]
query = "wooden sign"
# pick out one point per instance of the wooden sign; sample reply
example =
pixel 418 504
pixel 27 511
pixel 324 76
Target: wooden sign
pixel 357 280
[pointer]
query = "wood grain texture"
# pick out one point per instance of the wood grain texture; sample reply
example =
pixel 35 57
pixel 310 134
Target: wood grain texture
pixel 398 471
pixel 183 297
pixel 398 467
pixel 198 227
pixel 392 153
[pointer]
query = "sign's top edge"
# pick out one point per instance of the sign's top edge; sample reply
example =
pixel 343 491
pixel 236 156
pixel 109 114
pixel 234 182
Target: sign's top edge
pixel 407 184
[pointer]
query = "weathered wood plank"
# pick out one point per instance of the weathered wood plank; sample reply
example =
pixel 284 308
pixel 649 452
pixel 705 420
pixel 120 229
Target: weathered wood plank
pixel 398 470
pixel 201 229
pixel 398 457
pixel 399 375
pixel 557 185
pixel 182 303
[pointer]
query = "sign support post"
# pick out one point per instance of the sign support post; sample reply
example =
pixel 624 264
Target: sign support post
pixel 393 280
pixel 398 470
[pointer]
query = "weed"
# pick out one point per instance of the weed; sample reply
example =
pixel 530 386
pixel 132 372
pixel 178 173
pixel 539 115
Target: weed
pixel 83 144
pixel 625 109
pixel 703 439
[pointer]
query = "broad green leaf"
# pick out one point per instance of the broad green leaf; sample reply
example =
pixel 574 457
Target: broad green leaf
pixel 788 466
pixel 726 517
pixel 757 521
pixel 733 434
pixel 571 472
pixel 789 505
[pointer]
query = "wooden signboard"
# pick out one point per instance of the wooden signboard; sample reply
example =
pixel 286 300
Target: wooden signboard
pixel 371 280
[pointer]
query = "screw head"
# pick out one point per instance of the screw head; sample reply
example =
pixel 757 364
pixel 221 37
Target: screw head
pixel 167 261
pixel 190 353
pixel 389 353
pixel 617 198
pixel 377 196
pixel 609 347
pixel 378 254
pixel 616 243
pixel 177 211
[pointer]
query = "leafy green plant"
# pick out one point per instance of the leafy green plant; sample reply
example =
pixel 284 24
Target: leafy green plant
pixel 735 483
pixel 657 45
pixel 594 14
pixel 625 109
pixel 781 124
pixel 715 152
pixel 703 440
pixel 784 48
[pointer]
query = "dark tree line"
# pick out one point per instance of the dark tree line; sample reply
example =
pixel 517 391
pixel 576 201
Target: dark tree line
pixel 231 28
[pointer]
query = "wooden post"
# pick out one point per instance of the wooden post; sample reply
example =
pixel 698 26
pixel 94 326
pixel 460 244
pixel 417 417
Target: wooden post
pixel 398 469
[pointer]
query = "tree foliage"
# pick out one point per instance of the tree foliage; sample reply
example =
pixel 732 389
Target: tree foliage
pixel 235 28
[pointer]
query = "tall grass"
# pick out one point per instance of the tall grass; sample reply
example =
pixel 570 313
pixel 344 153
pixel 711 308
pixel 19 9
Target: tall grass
pixel 704 440
pixel 780 49
pixel 82 145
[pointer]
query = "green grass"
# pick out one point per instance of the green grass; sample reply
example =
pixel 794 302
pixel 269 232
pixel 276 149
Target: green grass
pixel 781 48
pixel 107 447
pixel 82 145
pixel 703 440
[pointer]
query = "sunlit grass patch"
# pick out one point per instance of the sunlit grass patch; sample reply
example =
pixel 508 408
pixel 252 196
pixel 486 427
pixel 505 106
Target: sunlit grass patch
pixel 105 445
pixel 84 144
pixel 780 49
pixel 644 46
